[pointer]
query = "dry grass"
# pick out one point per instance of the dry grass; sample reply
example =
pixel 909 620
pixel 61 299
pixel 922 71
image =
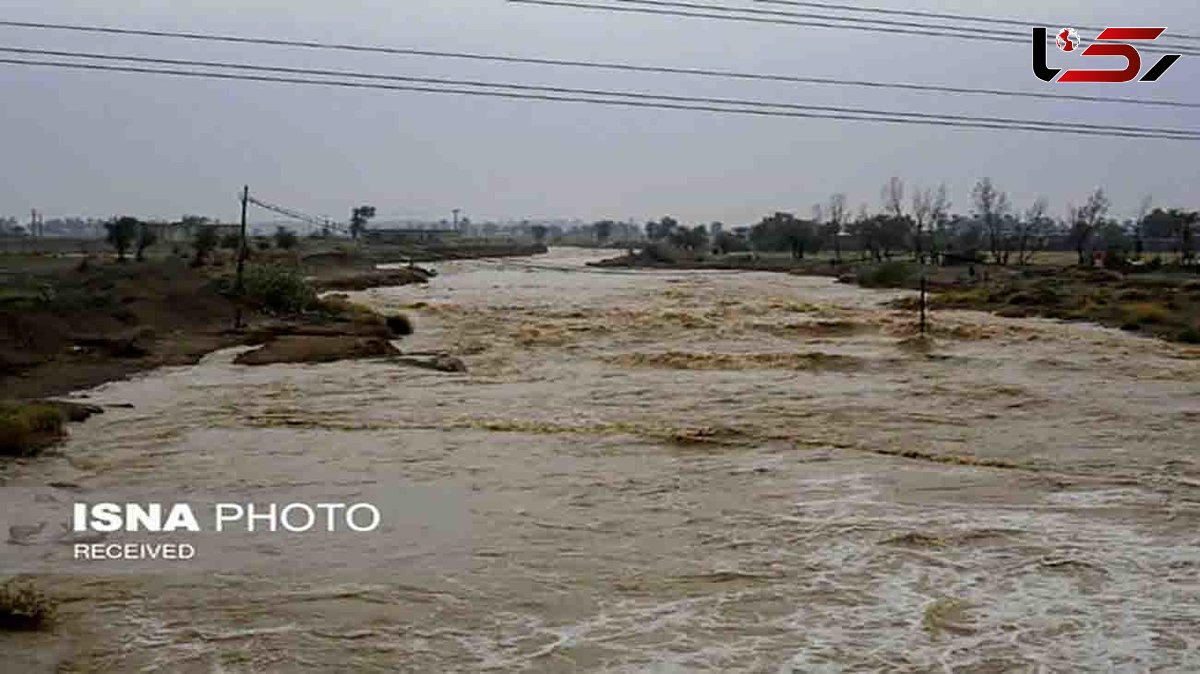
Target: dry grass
pixel 1146 313
pixel 27 429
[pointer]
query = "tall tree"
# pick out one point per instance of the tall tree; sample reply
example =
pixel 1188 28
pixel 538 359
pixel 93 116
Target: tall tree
pixel 1139 234
pixel 928 207
pixel 359 217
pixel 1084 220
pixel 992 208
pixel 1030 229
pixel 121 233
pixel 203 243
pixel 656 231
pixel 146 237
pixel 831 230
pixel 603 230
pixel 893 197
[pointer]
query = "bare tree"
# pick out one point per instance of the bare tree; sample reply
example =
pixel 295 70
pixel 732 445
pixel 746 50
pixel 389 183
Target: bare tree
pixel 991 207
pixel 1085 219
pixel 893 197
pixel 833 226
pixel 939 212
pixel 928 207
pixel 1030 229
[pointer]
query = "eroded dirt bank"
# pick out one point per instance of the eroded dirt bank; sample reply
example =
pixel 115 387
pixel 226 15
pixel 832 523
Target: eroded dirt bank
pixel 677 471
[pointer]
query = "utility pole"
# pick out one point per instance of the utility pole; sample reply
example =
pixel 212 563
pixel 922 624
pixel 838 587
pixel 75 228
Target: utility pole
pixel 239 284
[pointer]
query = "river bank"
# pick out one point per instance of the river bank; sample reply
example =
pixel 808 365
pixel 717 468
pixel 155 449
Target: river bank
pixel 1162 303
pixel 73 323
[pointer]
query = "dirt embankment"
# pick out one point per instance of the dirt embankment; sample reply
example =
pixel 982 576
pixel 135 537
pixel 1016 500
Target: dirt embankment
pixel 68 323
pixel 66 326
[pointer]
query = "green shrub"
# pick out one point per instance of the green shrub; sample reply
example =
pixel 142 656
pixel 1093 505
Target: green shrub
pixel 278 290
pixel 1190 336
pixel 887 275
pixel 24 607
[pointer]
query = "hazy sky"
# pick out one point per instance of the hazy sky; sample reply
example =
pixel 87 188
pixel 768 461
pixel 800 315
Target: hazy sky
pixel 98 144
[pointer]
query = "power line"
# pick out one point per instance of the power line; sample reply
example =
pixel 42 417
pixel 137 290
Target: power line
pixel 597 65
pixel 607 93
pixel 975 18
pixel 803 15
pixel 296 215
pixel 865 116
pixel 953 31
pixel 694 10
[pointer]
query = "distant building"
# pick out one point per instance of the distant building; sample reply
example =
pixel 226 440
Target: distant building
pixel 409 236
pixel 182 232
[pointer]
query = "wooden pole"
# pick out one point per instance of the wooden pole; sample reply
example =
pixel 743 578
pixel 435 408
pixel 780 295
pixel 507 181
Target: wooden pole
pixel 239 284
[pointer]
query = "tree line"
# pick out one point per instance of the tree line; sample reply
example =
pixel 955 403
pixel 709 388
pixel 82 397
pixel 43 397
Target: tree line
pixel 919 222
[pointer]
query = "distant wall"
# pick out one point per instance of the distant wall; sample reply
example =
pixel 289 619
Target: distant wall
pixel 54 245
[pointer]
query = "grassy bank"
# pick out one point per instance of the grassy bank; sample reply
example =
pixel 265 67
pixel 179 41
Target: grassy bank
pixel 1163 303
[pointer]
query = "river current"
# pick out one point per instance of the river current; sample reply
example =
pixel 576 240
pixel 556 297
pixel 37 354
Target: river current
pixel 668 472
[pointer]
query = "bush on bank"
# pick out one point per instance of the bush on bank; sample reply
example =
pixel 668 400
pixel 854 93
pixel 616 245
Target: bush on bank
pixel 27 429
pixel 893 274
pixel 273 289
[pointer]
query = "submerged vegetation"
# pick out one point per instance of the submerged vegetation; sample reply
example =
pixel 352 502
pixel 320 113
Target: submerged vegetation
pixel 24 607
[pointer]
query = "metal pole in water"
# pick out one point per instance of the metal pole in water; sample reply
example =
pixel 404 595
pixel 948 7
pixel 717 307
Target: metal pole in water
pixel 922 303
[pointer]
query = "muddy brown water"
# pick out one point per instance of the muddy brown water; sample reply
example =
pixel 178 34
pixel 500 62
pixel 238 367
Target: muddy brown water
pixel 669 471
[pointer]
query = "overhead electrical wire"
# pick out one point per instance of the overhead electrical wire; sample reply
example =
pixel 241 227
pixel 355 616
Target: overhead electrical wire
pixel 954 31
pixel 640 95
pixel 973 18
pixel 695 10
pixel 641 100
pixel 597 65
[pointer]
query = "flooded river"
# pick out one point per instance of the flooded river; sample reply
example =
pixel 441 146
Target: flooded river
pixel 668 472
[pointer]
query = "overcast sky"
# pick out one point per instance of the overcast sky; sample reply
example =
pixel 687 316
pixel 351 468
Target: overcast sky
pixel 99 144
